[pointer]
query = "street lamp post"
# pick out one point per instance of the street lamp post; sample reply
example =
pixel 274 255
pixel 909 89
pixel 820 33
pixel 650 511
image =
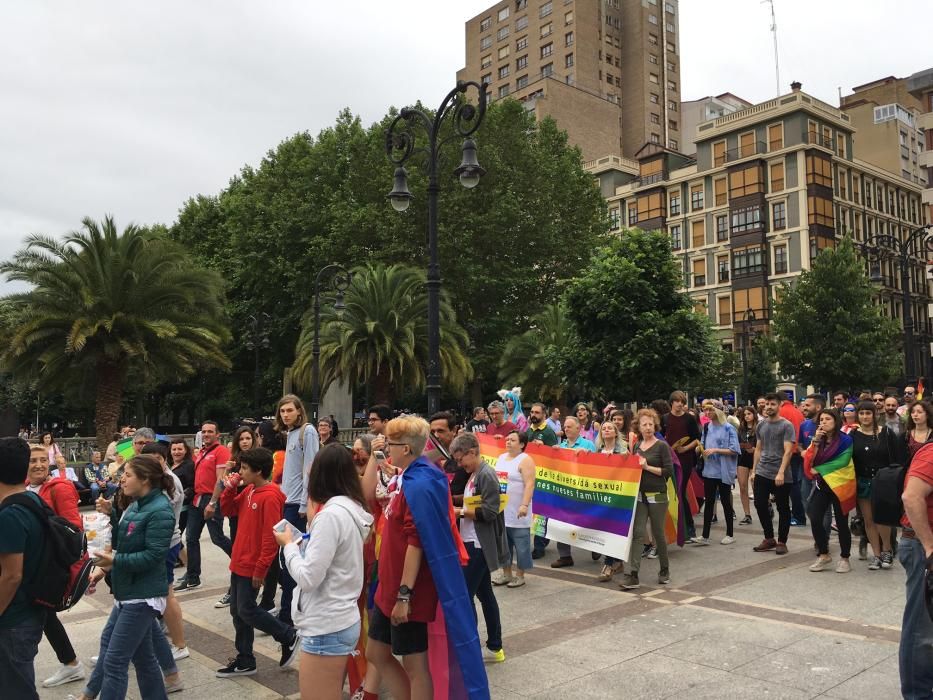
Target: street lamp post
pixel 259 338
pixel 748 322
pixel 884 246
pixel 400 146
pixel 340 280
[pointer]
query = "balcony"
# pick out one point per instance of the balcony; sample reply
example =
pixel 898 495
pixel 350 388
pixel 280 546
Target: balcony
pixel 757 148
pixel 820 140
pixel 645 180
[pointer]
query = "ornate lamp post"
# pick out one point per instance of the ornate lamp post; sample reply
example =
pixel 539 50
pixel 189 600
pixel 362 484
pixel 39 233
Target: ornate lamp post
pixel 340 280
pixel 887 247
pixel 400 146
pixel 258 339
pixel 748 332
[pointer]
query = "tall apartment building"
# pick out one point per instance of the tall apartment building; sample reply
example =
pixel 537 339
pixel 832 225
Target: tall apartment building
pixel 607 71
pixel 770 187
pixel 920 85
pixel 885 116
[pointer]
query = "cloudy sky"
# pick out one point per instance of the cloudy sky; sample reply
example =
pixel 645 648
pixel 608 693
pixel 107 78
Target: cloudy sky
pixel 130 108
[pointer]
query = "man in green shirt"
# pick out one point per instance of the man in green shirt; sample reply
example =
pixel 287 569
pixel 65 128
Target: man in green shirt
pixel 21 540
pixel 538 429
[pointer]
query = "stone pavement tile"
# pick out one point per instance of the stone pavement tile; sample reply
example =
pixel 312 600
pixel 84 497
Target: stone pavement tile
pixel 880 681
pixel 743 630
pixel 647 677
pixel 519 613
pixel 740 687
pixel 535 672
pixel 713 649
pixel 822 647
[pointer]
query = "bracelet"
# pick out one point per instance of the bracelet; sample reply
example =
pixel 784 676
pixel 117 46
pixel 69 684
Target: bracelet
pixel 403 600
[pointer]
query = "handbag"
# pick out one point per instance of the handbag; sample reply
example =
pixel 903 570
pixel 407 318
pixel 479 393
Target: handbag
pixel 857 525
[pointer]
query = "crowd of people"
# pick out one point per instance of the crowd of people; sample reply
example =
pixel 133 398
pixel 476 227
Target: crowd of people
pixel 346 557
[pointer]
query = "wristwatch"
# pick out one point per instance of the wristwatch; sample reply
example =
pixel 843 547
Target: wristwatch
pixel 404 594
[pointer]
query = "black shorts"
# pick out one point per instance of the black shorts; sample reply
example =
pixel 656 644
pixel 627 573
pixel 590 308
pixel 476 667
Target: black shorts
pixel 407 638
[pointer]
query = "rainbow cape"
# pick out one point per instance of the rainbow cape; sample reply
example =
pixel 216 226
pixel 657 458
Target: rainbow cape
pixel 835 468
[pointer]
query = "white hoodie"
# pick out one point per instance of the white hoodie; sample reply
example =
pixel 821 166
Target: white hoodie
pixel 330 572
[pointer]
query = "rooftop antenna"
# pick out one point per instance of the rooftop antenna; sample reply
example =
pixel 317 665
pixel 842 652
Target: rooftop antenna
pixel 777 70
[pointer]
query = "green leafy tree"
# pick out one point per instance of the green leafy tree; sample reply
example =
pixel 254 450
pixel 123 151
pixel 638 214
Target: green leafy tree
pixel 635 333
pixel 381 338
pixel 524 361
pixel 104 306
pixel 827 331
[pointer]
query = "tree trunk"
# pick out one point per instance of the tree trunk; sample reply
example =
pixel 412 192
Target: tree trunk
pixel 110 380
pixel 382 388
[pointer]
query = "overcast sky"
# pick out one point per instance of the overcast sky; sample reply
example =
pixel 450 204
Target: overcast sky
pixel 130 108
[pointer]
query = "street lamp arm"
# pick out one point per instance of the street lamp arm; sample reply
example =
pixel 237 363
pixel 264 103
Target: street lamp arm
pixel 884 245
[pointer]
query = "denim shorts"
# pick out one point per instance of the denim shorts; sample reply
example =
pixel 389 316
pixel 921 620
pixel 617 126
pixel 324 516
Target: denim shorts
pixel 342 643
pixel 519 539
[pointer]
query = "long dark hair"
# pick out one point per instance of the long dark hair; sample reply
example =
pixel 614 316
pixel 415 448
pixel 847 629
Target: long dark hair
pixel 272 439
pixel 180 441
pixel 927 408
pixel 745 410
pixel 148 468
pixel 235 448
pixel 837 421
pixel 333 474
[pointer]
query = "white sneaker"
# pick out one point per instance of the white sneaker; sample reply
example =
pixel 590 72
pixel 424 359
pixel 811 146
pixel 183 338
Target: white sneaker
pixel 499 578
pixel 66 674
pixel 700 541
pixel 92 662
pixel 179 654
pixel 727 540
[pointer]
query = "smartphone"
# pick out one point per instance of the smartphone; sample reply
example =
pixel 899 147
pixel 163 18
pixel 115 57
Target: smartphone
pixel 284 526
pixel 379 455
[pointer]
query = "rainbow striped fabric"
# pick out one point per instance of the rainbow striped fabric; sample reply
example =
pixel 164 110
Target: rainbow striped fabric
pixel 835 468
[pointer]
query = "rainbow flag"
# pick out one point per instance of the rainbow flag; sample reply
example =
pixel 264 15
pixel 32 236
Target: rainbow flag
pixel 125 448
pixel 920 389
pixel 836 469
pixel 581 498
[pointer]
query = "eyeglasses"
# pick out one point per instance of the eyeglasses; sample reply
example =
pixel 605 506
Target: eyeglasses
pixel 373 420
pixel 396 444
pixel 909 393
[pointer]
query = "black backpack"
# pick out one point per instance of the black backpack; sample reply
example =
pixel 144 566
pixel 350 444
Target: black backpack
pixel 887 508
pixel 64 566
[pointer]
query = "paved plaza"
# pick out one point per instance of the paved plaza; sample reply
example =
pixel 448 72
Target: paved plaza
pixel 732 623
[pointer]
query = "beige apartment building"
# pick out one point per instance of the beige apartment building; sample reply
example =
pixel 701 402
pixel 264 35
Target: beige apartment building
pixel 607 71
pixel 920 86
pixel 770 186
pixel 886 118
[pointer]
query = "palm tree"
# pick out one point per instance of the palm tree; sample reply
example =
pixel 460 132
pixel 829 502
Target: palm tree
pixel 107 305
pixel 524 360
pixel 381 338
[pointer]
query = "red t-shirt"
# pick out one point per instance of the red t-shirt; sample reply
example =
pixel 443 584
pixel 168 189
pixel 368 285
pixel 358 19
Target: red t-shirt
pixel 501 430
pixel 789 411
pixel 205 468
pixel 398 533
pixel 921 467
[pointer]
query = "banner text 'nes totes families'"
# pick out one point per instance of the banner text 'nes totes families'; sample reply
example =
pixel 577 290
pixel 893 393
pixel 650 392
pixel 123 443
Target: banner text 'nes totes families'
pixel 581 498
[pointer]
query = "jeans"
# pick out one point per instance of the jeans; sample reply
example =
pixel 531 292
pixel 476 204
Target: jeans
pixel 798 503
pixel 288 583
pixel 541 544
pixel 58 638
pixel 710 488
pixel 519 539
pixel 763 488
pixel 564 551
pixel 821 500
pixel 18 649
pixel 479 584
pixel 915 656
pixel 130 639
pixel 109 489
pixel 247 617
pixel 196 523
pixel 267 602
pixel 657 512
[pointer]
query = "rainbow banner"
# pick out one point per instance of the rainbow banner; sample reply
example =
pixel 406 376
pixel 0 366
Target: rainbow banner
pixel 124 448
pixel 581 498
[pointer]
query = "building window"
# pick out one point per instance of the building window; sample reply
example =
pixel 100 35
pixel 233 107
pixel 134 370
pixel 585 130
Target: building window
pixel 653 39
pixel 672 143
pixel 655 138
pixel 821 211
pixel 521 44
pixel 653 77
pixel 779 216
pixel 819 170
pixel 614 219
pixel 520 5
pixel 546 29
pixel 669 8
pixel 722 268
pixel 671 85
pixel 521 81
pixel 568 39
pixel 568 60
pixel 521 62
pixel 699 272
pixel 485 24
pixel 745 182
pixel 632 214
pixel 719 153
pixel 485 42
pixel 671 68
pixel 671 105
pixel 503 72
pixel 775 137
pixel 748 261
pixel 653 99
pixel 503 52
pixel 653 19
pixel 780 259
pixel 670 27
pixel 521 23
pixel 677 239
pixel 719 191
pixel 746 219
pixel 546 9
pixel 777 177
pixel 547 70
pixel 722 228
pixel 503 90
pixel 698 233
pixel 696 197
pixel 568 17
pixel 486 79
pixel 504 13
pixel 502 33
pixel 724 307
pixel 674 207
pixel 655 119
pixel 547 50
pixel 671 48
pixel 652 59
pixel 486 61
pixel 672 125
